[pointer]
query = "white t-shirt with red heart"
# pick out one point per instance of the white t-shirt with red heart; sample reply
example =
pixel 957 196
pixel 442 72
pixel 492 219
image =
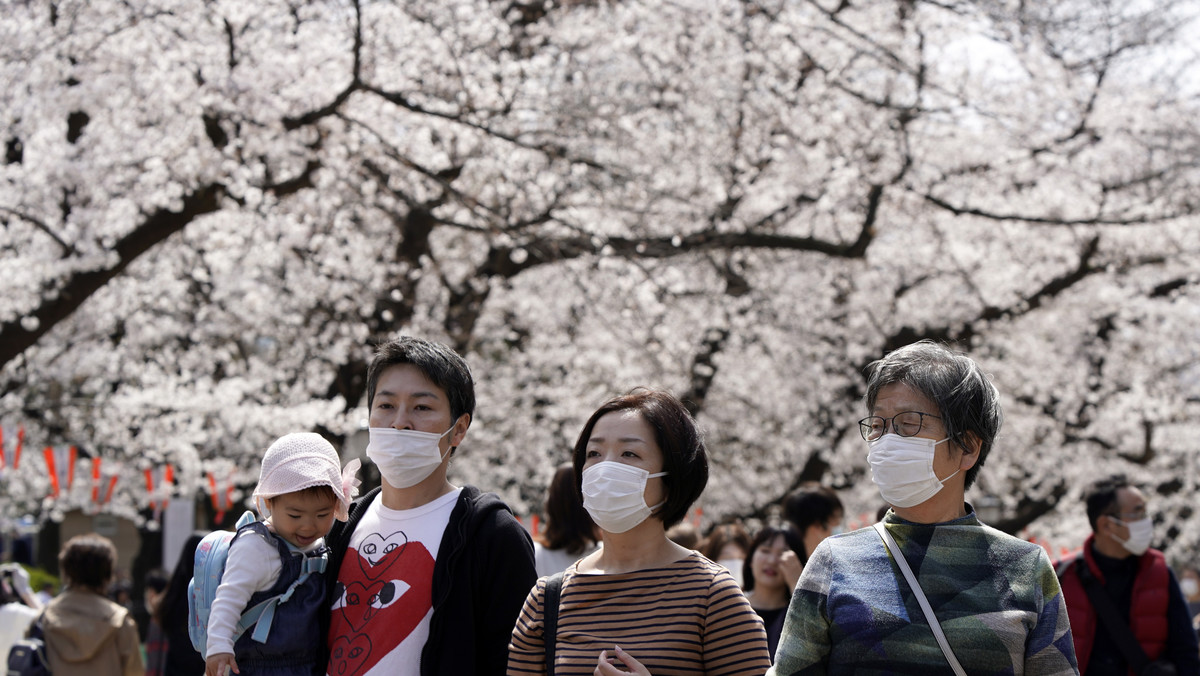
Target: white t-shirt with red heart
pixel 380 621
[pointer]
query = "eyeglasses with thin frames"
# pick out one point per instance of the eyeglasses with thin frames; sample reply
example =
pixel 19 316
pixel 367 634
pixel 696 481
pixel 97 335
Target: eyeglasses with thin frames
pixel 905 424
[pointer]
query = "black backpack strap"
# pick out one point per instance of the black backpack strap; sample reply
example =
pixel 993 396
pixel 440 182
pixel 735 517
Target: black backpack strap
pixel 550 618
pixel 1117 627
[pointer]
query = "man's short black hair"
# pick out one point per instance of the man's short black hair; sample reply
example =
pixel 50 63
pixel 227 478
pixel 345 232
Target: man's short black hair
pixel 810 504
pixel 442 365
pixel 1101 495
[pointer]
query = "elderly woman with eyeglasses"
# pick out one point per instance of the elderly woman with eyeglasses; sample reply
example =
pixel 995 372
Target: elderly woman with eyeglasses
pixel 979 601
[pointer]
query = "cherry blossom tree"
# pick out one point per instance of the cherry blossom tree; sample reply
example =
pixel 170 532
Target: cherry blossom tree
pixel 212 212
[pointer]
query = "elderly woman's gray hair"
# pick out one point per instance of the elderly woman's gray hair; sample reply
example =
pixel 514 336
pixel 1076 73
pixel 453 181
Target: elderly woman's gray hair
pixel 966 400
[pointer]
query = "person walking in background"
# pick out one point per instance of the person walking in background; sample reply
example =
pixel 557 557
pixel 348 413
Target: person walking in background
pixel 426 577
pixel 768 584
pixel 727 544
pixel 86 634
pixel 1189 584
pixel 685 534
pixel 46 593
pixel 569 534
pixel 19 606
pixel 859 607
pixel 301 489
pixel 815 512
pixel 1127 611
pixel 155 641
pixel 172 613
pixel 641 603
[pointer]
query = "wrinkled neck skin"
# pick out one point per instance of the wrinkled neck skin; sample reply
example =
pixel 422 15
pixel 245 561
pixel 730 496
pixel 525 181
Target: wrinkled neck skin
pixel 644 546
pixel 947 504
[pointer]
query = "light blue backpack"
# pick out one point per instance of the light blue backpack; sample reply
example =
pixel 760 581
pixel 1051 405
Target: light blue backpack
pixel 210 558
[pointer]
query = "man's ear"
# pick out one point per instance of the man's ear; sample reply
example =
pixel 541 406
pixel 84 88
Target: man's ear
pixel 460 431
pixel 970 445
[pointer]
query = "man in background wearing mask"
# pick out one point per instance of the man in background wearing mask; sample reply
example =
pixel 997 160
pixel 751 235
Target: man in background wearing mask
pixel 1120 569
pixel 425 578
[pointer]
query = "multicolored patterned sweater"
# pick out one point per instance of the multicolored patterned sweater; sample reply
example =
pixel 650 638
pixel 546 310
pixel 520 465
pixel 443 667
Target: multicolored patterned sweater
pixel 996 597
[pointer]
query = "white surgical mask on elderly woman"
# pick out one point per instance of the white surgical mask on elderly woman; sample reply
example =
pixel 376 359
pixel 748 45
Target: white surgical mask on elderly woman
pixel 902 468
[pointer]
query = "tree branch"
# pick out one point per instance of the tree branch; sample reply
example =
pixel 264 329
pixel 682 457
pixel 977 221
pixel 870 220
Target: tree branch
pixel 18 335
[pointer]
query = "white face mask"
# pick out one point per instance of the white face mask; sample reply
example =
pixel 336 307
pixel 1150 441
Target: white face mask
pixel 902 468
pixel 1140 534
pixel 405 457
pixel 1189 586
pixel 734 566
pixel 614 495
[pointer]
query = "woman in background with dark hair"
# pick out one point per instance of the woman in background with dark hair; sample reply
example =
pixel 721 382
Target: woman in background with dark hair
pixel 768 583
pixel 172 613
pixel 641 603
pixel 87 634
pixel 570 534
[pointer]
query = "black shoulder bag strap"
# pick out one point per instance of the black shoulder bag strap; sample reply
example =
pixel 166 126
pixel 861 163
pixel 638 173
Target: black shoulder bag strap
pixel 1117 628
pixel 550 618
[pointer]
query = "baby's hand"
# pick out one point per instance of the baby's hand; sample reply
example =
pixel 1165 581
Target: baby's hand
pixel 220 664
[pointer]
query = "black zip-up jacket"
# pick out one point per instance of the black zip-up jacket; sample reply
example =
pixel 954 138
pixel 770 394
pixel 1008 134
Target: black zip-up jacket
pixel 484 571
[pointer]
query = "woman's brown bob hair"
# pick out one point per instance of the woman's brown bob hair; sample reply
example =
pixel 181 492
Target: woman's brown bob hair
pixel 685 459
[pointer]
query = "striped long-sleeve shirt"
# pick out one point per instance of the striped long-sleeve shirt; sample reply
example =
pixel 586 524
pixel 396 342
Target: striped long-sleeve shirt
pixel 689 617
pixel 995 596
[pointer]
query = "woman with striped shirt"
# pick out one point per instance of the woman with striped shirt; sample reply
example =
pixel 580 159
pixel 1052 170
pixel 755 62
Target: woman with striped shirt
pixel 641 604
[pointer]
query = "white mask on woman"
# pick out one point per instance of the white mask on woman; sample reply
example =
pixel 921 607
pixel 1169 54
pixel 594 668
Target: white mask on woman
pixel 405 458
pixel 614 495
pixel 902 468
pixel 1140 534
pixel 1189 586
pixel 734 566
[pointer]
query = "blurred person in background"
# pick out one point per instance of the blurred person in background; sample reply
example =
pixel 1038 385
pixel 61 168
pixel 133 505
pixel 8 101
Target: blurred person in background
pixel 86 633
pixel 816 512
pixel 46 592
pixel 1189 583
pixel 728 544
pixel 19 606
pixel 685 534
pixel 768 583
pixel 569 534
pixel 172 615
pixel 155 642
pixel 1126 608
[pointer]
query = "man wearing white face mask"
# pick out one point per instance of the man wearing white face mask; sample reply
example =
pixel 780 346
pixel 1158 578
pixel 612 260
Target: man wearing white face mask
pixel 1126 608
pixel 425 578
pixel 930 589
